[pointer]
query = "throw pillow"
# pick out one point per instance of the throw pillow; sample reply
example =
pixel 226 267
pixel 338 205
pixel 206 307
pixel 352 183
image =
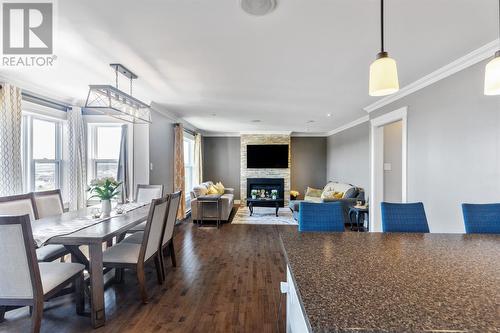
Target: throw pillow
pixel 212 190
pixel 331 195
pixel 313 192
pixel 220 187
pixel 200 191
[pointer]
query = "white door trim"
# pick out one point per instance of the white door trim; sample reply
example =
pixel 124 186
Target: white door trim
pixel 376 162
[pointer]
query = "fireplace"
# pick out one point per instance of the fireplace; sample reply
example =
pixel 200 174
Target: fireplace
pixel 265 186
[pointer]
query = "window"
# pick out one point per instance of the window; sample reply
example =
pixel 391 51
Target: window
pixel 188 168
pixel 41 153
pixel 104 150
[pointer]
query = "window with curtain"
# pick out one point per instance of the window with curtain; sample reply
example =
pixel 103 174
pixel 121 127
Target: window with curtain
pixel 104 150
pixel 188 167
pixel 42 153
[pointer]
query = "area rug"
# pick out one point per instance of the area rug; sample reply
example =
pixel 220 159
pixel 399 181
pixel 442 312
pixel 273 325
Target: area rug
pixel 264 215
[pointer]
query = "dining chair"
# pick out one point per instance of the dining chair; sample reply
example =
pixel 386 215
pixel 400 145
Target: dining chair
pixel 136 256
pixel 168 234
pixel 146 193
pixel 26 282
pixel 25 204
pixel 404 217
pixel 481 218
pixel 49 203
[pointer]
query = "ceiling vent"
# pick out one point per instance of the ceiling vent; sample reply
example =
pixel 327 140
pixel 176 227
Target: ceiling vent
pixel 258 7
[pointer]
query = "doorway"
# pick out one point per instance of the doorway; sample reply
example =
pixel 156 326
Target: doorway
pixel 388 162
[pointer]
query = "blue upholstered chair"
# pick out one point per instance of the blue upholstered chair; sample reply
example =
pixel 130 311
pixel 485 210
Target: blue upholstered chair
pixel 325 216
pixel 481 218
pixel 404 217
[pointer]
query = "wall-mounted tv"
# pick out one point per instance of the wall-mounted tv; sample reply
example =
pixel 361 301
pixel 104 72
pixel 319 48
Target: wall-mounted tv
pixel 267 156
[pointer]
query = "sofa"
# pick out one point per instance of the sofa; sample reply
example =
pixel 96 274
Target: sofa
pixel 209 210
pixel 351 194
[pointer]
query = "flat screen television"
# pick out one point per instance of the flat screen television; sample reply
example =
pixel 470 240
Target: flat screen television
pixel 267 156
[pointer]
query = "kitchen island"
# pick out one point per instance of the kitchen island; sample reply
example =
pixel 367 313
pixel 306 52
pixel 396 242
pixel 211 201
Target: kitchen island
pixel 388 282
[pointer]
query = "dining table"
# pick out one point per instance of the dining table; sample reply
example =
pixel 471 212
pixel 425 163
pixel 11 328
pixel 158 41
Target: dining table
pixel 92 232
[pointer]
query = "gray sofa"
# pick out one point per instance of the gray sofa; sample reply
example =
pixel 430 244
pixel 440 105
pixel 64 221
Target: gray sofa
pixel 352 195
pixel 209 210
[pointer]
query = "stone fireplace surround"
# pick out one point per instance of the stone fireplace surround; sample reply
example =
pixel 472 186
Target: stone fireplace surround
pixel 262 139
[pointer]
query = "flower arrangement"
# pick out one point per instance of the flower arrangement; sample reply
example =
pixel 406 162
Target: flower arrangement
pixel 253 193
pixel 274 194
pixel 104 188
pixel 294 194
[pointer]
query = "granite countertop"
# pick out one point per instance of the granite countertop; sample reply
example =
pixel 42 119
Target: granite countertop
pixel 376 282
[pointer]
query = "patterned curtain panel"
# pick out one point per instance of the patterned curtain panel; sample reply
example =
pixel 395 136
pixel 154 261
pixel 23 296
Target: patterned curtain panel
pixel 77 153
pixel 122 173
pixel 11 173
pixel 198 160
pixel 179 175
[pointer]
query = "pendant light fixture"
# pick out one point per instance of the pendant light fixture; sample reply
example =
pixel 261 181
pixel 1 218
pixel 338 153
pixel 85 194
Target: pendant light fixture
pixel 383 71
pixel 492 73
pixel 115 103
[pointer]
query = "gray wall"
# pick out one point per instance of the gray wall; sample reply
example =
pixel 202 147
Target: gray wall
pixel 348 156
pixel 221 161
pixel 308 162
pixel 393 152
pixel 161 151
pixel 453 146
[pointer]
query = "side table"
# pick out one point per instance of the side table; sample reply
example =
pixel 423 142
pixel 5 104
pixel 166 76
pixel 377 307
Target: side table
pixel 210 199
pixel 359 213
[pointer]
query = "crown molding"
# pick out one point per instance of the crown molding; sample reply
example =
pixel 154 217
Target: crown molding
pixel 470 59
pixel 353 123
pixel 266 132
pixel 173 117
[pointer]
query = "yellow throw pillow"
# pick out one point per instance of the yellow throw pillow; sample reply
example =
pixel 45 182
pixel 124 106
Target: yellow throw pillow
pixel 313 192
pixel 220 187
pixel 212 190
pixel 331 195
pixel 338 195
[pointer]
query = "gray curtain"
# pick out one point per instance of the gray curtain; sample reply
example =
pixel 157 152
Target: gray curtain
pixel 122 172
pixel 77 154
pixel 11 179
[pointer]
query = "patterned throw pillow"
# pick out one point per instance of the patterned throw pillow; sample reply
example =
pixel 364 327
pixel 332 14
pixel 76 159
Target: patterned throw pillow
pixel 220 187
pixel 331 195
pixel 313 192
pixel 212 190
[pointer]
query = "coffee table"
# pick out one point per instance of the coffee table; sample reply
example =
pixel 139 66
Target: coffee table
pixel 265 202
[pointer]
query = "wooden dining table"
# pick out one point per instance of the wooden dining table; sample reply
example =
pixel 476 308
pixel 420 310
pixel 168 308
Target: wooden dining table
pixel 93 236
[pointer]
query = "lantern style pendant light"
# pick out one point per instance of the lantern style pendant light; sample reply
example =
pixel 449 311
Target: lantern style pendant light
pixel 383 71
pixel 492 73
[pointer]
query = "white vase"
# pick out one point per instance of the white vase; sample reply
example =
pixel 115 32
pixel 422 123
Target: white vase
pixel 254 196
pixel 105 208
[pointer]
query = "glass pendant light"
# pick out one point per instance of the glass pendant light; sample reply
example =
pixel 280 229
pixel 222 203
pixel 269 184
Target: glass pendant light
pixel 492 73
pixel 383 71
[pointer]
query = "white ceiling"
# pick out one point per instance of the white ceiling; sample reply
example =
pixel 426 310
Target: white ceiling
pixel 219 68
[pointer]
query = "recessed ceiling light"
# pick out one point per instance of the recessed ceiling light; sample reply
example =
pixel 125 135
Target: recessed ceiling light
pixel 310 121
pixel 328 114
pixel 214 114
pixel 256 121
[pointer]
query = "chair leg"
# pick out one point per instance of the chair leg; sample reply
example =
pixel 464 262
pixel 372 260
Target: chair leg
pixel 36 317
pixel 141 278
pixel 2 313
pixel 119 275
pixel 172 253
pixel 159 269
pixel 80 294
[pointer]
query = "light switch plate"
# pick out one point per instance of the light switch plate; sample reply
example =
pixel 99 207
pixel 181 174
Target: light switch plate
pixel 387 166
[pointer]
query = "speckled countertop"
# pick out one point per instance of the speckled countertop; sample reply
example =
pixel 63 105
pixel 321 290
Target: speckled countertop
pixel 375 282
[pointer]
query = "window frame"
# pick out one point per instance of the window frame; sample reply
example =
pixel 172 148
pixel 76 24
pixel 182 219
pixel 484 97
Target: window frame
pixel 28 162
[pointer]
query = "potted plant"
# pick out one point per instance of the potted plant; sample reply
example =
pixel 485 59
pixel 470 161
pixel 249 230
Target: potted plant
pixel 274 194
pixel 105 189
pixel 253 193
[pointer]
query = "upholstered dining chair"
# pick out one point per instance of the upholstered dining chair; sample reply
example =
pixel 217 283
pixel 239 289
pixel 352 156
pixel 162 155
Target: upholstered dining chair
pixel 481 218
pixel 136 256
pixel 24 281
pixel 25 204
pixel 404 217
pixel 49 203
pixel 146 193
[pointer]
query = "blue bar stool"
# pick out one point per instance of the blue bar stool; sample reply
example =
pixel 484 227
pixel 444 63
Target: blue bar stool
pixel 481 218
pixel 404 217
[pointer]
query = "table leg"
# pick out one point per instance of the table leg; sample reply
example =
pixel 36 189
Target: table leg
pixel 277 208
pixel 97 312
pixel 218 215
pixel 250 206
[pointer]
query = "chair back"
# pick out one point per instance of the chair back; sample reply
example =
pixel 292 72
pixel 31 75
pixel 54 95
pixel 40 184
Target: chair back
pixel 16 205
pixel 153 232
pixel 19 272
pixel 48 203
pixel 404 217
pixel 325 216
pixel 481 218
pixel 146 193
pixel 175 199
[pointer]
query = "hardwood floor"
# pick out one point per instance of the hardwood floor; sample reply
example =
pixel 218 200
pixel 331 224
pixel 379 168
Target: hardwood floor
pixel 226 280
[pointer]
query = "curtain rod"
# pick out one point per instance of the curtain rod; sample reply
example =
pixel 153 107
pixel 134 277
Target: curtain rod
pixel 44 102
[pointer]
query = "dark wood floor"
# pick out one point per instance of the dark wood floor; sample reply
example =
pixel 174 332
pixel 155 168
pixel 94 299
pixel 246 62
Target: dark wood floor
pixel 227 280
